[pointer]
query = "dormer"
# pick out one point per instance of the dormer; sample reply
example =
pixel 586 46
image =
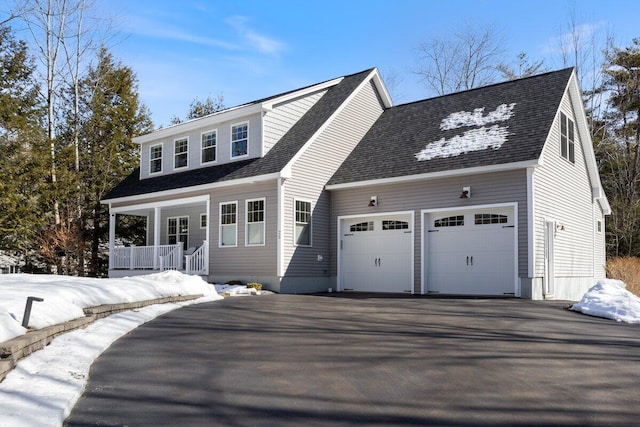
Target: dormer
pixel 236 134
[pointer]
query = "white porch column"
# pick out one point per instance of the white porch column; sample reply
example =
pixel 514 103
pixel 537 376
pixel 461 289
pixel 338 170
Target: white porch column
pixel 112 237
pixel 156 236
pixel 208 235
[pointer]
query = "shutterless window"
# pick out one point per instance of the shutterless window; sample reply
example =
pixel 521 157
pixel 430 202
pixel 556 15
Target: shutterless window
pixel 178 230
pixel 362 226
pixel 303 223
pixel 155 159
pixel 209 141
pixel 490 219
pixel 395 225
pixel 567 138
pixel 255 222
pixel 239 138
pixel 203 220
pixel 228 224
pixel 181 150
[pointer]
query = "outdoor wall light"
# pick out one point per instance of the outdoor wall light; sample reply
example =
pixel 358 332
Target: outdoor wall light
pixel 466 193
pixel 373 202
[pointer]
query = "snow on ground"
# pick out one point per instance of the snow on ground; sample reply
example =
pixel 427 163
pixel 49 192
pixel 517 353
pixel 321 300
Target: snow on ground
pixel 235 290
pixel 66 297
pixel 44 386
pixel 609 299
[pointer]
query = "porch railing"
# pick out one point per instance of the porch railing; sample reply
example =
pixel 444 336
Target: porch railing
pixel 141 258
pixel 196 263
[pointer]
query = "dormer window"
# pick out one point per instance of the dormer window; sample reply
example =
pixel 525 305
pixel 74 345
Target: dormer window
pixel 209 141
pixel 567 135
pixel 155 159
pixel 239 138
pixel 181 150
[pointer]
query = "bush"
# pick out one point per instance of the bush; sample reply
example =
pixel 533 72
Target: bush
pixel 255 285
pixel 626 269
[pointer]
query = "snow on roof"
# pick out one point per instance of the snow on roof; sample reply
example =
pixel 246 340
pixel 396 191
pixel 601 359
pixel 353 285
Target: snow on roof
pixel 475 139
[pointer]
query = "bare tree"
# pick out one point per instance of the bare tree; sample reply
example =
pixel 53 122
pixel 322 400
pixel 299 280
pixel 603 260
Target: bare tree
pixel 462 60
pixel 523 68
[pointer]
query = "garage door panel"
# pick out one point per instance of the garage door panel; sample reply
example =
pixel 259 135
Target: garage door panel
pixel 470 252
pixel 376 254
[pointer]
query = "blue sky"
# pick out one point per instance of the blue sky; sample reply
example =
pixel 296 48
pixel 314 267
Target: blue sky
pixel 246 50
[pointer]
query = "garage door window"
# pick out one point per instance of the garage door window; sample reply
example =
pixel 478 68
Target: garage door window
pixel 395 225
pixel 362 226
pixel 450 221
pixel 490 219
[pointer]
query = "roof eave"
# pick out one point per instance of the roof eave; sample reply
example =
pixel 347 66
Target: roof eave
pixel 436 175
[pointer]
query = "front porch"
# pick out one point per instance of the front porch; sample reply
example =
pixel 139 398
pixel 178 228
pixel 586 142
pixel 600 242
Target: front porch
pixel 176 238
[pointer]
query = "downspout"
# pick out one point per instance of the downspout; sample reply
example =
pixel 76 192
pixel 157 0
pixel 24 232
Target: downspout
pixel 112 236
pixel 156 237
pixel 280 229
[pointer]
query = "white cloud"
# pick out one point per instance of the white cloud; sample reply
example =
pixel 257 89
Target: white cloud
pixel 255 40
pixel 581 36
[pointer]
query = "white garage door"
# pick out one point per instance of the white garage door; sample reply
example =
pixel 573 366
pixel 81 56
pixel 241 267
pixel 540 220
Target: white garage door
pixel 377 254
pixel 471 252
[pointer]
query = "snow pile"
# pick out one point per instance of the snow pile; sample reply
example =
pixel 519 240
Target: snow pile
pixel 473 139
pixel 609 299
pixel 235 290
pixel 66 297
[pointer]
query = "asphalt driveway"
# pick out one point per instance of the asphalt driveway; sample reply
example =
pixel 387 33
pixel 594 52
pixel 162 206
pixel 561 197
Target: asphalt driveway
pixel 368 360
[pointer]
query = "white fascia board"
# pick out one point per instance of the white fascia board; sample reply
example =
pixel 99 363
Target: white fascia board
pixel 204 187
pixel 286 171
pixel 382 89
pixel 165 203
pixel 268 105
pixel 206 121
pixel 575 95
pixel 436 175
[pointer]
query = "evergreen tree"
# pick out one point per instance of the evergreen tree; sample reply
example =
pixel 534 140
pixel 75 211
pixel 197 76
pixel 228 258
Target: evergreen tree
pixel 22 166
pixel 618 148
pixel 112 116
pixel 199 108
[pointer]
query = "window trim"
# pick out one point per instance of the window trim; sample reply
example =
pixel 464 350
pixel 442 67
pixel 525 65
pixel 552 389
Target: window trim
pixel 221 225
pixel 568 151
pixel 185 153
pixel 215 147
pixel 231 139
pixel 310 223
pixel 264 221
pixel 151 147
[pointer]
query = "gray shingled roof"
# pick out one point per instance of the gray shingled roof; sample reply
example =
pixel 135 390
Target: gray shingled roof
pixel 274 161
pixel 388 150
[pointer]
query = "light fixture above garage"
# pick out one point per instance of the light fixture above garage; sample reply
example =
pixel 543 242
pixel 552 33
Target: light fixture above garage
pixel 466 193
pixel 373 202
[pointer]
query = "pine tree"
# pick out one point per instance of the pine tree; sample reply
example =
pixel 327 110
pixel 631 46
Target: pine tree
pixel 112 116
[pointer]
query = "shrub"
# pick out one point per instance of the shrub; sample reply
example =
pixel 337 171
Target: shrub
pixel 626 269
pixel 255 285
pixel 234 282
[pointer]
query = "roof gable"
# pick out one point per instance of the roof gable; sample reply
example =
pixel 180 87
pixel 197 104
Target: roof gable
pixel 493 125
pixel 273 162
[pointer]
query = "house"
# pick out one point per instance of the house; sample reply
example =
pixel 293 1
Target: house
pixel 491 191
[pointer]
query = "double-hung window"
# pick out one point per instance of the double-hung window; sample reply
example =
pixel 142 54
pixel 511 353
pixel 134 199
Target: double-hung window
pixel 178 230
pixel 228 224
pixel 239 139
pixel 303 223
pixel 181 153
pixel 255 222
pixel 567 138
pixel 209 141
pixel 155 158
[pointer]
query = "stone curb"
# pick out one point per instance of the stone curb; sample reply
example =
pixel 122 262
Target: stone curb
pixel 15 349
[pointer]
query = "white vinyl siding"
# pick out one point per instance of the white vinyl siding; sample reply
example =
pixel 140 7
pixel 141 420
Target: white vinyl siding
pixel 255 226
pixel 563 194
pixel 228 224
pixel 278 121
pixel 209 146
pixel 331 148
